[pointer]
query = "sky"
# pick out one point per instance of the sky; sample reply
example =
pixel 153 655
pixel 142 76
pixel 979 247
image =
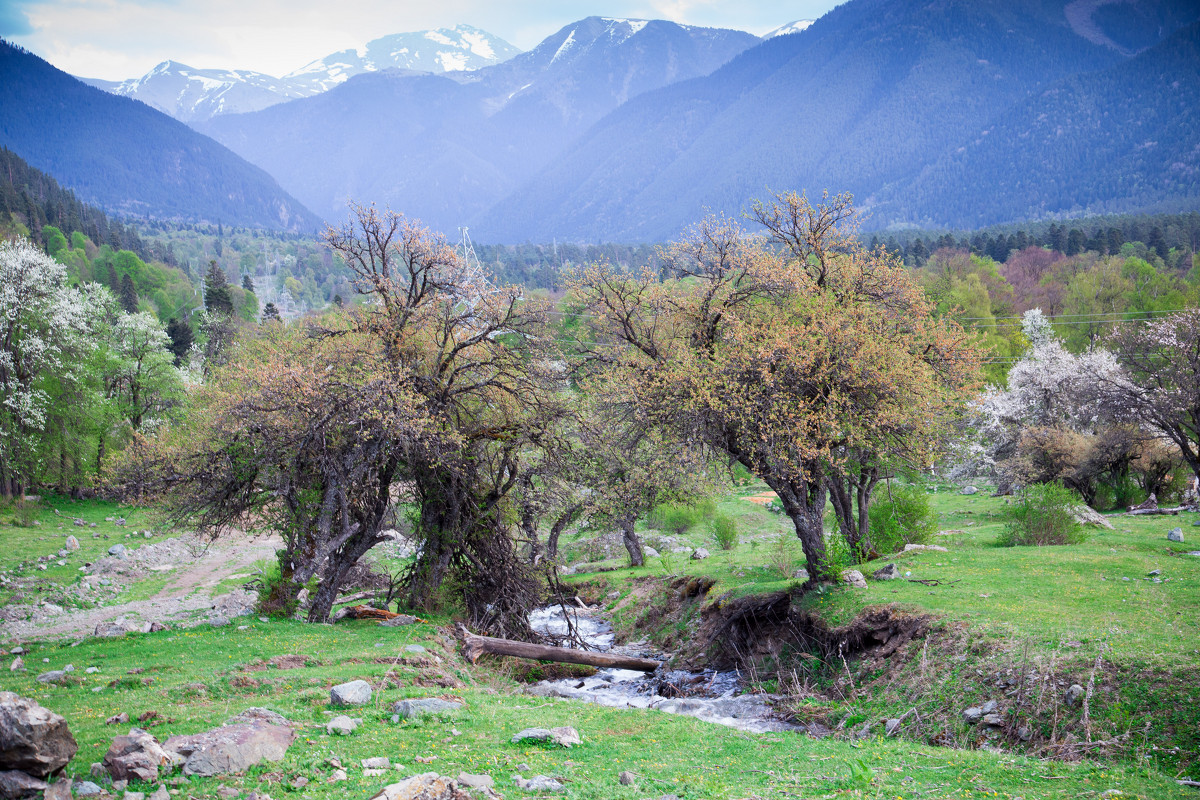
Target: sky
pixel 118 39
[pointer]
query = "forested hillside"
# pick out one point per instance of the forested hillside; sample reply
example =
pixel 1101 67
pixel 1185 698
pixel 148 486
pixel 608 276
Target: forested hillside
pixel 124 156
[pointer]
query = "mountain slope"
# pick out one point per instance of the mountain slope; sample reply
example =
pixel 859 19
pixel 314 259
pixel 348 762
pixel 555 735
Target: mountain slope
pixel 865 98
pixel 444 148
pixel 1120 140
pixel 124 156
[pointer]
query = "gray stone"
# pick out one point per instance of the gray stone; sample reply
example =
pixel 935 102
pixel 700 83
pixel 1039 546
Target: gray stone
pixel 138 756
pixel 257 714
pixel 429 786
pixel 1154 572
pixel 15 784
pixel 354 693
pixel 112 629
pixel 87 789
pixel 564 736
pixel 59 790
pixel 909 548
pixel 801 575
pixel 990 707
pixel 853 577
pixel 398 621
pixel 71 544
pixel 993 720
pixel 341 725
pixel 118 550
pixel 1175 535
pixel 1086 515
pixel 1024 733
pixel 1074 694
pixel 17 665
pixel 53 676
pixel 16 651
pixel 232 748
pixel 218 621
pixel 472 781
pixel 414 648
pixel 699 554
pixel 133 795
pixel 161 793
pixel 972 715
pixel 891 727
pixel 889 573
pixel 33 739
pixel 969 490
pixel 627 778
pixel 539 783
pixel 417 707
pixel 378 762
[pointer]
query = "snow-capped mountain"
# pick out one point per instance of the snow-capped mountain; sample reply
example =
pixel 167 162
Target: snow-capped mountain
pixel 195 95
pixel 190 94
pixel 791 27
pixel 443 50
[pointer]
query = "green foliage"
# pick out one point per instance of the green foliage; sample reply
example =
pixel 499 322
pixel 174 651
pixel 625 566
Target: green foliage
pixel 724 530
pixel 678 518
pixel 25 512
pixel 900 515
pixel 1042 515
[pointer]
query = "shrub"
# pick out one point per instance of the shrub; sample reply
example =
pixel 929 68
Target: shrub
pixel 724 530
pixel 25 513
pixel 1042 515
pixel 677 518
pixel 901 515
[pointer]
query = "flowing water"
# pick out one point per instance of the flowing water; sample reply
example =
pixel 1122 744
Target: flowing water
pixel 707 695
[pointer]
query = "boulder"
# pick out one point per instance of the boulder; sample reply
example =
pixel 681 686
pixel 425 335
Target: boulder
pixel 139 756
pixel 257 714
pixel 892 726
pixel 908 548
pixel 626 778
pixel 538 783
pixel 33 739
pixel 53 676
pixel 60 790
pixel 429 786
pixel 1073 694
pixel 972 715
pixel 853 577
pixel 354 693
pixel 341 725
pixel 889 573
pixel 112 629
pixel 1175 535
pixel 564 736
pixel 377 762
pixel 969 490
pixel 1086 515
pixel 472 781
pixel 232 748
pixel 15 784
pixel 71 544
pixel 399 620
pixel 993 720
pixel 424 705
pixel 801 575
pixel 118 551
pixel 699 554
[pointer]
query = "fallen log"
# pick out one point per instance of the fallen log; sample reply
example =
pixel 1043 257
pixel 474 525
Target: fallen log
pixel 1165 512
pixel 368 612
pixel 475 646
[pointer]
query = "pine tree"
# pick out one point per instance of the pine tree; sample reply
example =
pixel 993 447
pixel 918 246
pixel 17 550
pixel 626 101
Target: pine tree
pixel 128 295
pixel 217 297
pixel 181 338
pixel 270 312
pixel 248 284
pixel 114 283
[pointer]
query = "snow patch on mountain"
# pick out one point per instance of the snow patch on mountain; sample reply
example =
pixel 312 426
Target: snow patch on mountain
pixel 792 27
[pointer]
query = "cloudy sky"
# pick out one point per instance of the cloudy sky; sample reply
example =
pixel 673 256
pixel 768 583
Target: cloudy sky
pixel 118 39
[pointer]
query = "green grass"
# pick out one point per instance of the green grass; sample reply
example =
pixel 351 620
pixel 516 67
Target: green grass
pixel 671 754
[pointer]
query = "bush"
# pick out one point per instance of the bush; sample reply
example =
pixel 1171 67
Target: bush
pixel 724 530
pixel 1042 515
pixel 901 515
pixel 677 518
pixel 25 513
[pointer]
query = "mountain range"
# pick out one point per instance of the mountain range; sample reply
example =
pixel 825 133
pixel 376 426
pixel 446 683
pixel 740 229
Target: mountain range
pixel 190 94
pixel 126 157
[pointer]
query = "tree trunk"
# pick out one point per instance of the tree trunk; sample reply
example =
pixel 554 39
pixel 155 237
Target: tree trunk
pixel 804 503
pixel 475 646
pixel 556 530
pixel 636 557
pixel 851 499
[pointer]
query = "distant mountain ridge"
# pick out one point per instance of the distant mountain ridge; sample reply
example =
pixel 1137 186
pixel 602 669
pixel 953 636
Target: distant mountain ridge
pixel 446 147
pixel 126 157
pixel 192 95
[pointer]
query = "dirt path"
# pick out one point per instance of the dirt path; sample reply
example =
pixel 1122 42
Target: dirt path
pixel 190 590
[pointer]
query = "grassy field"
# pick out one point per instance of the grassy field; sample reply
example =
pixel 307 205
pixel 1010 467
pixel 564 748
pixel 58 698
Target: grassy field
pixel 1047 605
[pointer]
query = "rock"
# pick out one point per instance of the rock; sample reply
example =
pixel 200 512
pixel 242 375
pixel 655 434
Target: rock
pixel 990 707
pixel 138 756
pixel 17 665
pixel 33 739
pixel 231 748
pixel 414 648
pixel 354 693
pixel 297 783
pixel 853 577
pixel 699 554
pixel 425 705
pixel 993 720
pixel 908 548
pixel 87 789
pixel 161 793
pixel 1175 535
pixel 475 781
pixel 429 786
pixel 117 719
pixel 71 544
pixel 341 725
pixel 891 727
pixel 1024 733
pixel 378 762
pixel 399 620
pixel 16 651
pixel 15 784
pixel 338 776
pixel 1073 694
pixel 539 783
pixel 112 629
pixel 133 795
pixel 217 621
pixel 60 790
pixel 801 575
pixel 118 551
pixel 1154 572
pixel 53 676
pixel 969 490
pixel 373 773
pixel 257 714
pixel 889 573
pixel 972 715
pixel 627 778
pixel 563 736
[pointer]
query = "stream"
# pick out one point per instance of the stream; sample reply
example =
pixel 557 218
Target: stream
pixel 706 695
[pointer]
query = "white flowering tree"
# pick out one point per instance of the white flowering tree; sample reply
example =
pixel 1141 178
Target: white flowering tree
pixel 43 338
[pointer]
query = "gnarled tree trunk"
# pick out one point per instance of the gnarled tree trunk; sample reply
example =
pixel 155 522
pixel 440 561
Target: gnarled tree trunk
pixel 636 557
